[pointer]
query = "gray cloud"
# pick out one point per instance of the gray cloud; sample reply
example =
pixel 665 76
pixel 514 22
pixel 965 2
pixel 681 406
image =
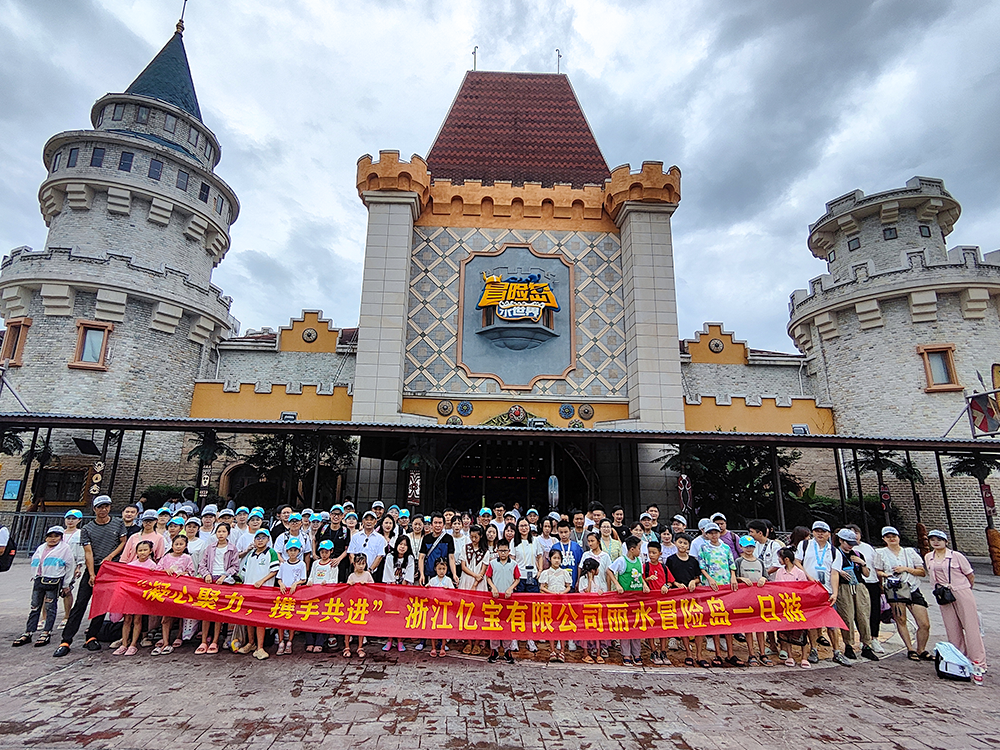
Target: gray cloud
pixel 770 108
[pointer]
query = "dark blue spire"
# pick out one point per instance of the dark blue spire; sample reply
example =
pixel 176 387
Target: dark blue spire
pixel 168 78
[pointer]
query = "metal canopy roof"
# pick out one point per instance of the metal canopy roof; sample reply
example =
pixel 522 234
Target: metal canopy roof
pixel 190 424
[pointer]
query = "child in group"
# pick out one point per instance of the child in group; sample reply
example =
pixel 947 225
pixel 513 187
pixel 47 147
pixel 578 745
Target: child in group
pixel 291 575
pixel 718 568
pixel 596 582
pixel 789 571
pixel 177 562
pixel 627 570
pixel 555 580
pixel 51 566
pixel 219 564
pixel 686 571
pixel 260 568
pixel 440 581
pixel 324 572
pixel 132 624
pixel 73 537
pixel 359 576
pixel 400 569
pixel 750 571
pixel 658 578
pixel 502 577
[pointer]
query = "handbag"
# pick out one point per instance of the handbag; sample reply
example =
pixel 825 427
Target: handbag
pixel 942 593
pixel 49 583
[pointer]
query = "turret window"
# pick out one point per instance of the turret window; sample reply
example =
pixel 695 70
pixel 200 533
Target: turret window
pixel 13 340
pixel 55 161
pixel 118 113
pixel 182 180
pixel 925 231
pixel 203 193
pixel 142 115
pixel 170 123
pixel 854 243
pixel 155 169
pixel 100 118
pixel 97 158
pixel 939 367
pixel 889 233
pixel 125 162
pixel 193 137
pixel 91 345
pixel 208 150
pixel 74 154
pixel 218 204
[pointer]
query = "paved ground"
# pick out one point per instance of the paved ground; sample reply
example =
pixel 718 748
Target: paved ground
pixel 408 700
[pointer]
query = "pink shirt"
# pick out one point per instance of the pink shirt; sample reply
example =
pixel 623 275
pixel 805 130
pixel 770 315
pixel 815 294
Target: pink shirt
pixel 181 566
pixel 150 564
pixel 128 554
pixel 795 574
pixel 937 570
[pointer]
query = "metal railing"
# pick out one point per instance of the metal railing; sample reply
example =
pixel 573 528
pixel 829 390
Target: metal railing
pixel 28 529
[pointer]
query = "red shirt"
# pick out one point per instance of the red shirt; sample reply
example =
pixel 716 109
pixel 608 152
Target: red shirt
pixel 657 576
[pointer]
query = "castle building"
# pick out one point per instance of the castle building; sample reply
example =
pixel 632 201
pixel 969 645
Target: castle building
pixel 511 278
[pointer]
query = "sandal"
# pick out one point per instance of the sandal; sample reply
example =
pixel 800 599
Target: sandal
pixel 213 648
pixel 43 640
pixel 561 658
pixel 925 656
pixel 120 651
pixel 553 659
pixel 626 662
pixel 599 659
pixel 588 659
pixel 913 656
pixel 177 643
pixel 790 662
pixel 805 664
pixel 22 640
pixel 767 662
pixel 167 650
pixel 704 664
pixel 753 662
pixel 434 652
pixel 734 661
pixel 156 651
pixel 688 662
pixel 203 648
pixel 347 653
pixel 361 653
pixel 131 651
pixel 718 663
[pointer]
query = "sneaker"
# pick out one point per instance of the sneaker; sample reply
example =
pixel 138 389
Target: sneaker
pixel 839 658
pixel 419 646
pixel 877 647
pixel 674 644
pixel 494 655
pixel 532 647
pixel 604 653
pixel 515 646
pixel 387 646
pixel 849 652
pixel 260 654
pixel 115 644
pixel 654 656
pixel 869 653
pixel 508 656
pixel 813 656
pixel 400 647
pixel 571 645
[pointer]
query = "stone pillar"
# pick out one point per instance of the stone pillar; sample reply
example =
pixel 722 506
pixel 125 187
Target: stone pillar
pixel 385 287
pixel 656 398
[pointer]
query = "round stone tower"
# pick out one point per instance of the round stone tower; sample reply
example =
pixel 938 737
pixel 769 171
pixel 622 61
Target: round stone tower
pixel 900 327
pixel 117 314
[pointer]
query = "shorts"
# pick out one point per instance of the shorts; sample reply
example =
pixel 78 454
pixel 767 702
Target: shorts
pixel 916 597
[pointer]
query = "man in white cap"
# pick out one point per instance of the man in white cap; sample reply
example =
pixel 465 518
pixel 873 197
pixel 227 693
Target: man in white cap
pixel 727 536
pixel 819 559
pixel 853 604
pixel 701 539
pixel 368 541
pixel 103 540
pixel 678 525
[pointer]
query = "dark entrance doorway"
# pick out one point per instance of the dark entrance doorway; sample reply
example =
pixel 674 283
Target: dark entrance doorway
pixel 514 471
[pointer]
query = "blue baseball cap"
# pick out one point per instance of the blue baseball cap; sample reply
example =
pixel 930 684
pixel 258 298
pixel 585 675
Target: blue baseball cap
pixel 293 542
pixel 295 517
pixel 326 544
pixel 404 513
pixel 74 513
pixel 393 506
pixel 486 512
pixel 163 510
pixel 176 521
pixel 747 541
pixel 337 509
pixel 262 532
pixel 256 512
pixel 352 514
pixel 242 509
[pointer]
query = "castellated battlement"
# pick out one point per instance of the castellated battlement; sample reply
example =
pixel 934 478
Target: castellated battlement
pixel 58 273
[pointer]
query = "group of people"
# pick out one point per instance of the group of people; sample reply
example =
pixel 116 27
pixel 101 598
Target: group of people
pixel 504 553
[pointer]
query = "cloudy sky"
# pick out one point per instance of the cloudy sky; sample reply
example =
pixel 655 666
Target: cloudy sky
pixel 770 109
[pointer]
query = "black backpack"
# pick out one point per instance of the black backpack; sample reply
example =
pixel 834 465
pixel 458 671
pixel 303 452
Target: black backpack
pixel 7 558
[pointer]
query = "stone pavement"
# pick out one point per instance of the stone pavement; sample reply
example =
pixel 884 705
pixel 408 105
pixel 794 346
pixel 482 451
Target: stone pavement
pixel 408 700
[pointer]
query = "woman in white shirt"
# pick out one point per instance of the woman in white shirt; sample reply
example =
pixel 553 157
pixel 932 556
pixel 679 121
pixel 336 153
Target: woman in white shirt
pixel 527 553
pixel 900 569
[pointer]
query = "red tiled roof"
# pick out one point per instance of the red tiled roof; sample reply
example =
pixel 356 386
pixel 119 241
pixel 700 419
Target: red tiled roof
pixel 523 127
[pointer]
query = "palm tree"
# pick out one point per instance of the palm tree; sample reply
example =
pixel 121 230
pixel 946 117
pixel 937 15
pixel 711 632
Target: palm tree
pixel 208 450
pixel 977 465
pixel 10 442
pixel 879 462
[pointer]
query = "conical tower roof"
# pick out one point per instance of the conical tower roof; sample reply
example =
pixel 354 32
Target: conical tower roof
pixel 168 78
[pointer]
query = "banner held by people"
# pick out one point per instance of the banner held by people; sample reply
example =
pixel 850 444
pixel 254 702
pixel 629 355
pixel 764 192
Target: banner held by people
pixel 412 612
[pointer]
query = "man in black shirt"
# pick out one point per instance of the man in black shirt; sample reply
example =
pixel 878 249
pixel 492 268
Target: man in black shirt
pixel 130 514
pixel 103 540
pixel 437 545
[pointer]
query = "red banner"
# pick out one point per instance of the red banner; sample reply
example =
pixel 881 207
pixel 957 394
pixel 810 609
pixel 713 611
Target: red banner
pixel 414 612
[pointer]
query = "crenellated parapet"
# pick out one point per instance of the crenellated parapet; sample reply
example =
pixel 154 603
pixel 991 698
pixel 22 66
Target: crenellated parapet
pixel 649 185
pixel 560 206
pixel 391 174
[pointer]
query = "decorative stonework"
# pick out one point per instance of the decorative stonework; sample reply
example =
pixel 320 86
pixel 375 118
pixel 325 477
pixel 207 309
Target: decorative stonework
pixel 923 306
pixel 650 185
pixel 110 305
pixel 869 314
pixel 166 317
pixel 58 299
pixel 389 173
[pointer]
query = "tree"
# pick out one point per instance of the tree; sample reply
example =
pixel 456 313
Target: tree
pixel 210 449
pixel 879 462
pixel 979 466
pixel 11 443
pixel 288 459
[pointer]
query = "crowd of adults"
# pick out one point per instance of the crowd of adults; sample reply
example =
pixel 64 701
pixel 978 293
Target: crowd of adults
pixel 504 552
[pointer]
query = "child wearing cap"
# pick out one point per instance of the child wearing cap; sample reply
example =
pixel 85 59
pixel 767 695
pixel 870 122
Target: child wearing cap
pixel 627 572
pixel 718 568
pixel 259 569
pixel 322 573
pixel 291 575
pixel 53 569
pixel 177 562
pixel 750 571
pixel 658 579
pixel 132 623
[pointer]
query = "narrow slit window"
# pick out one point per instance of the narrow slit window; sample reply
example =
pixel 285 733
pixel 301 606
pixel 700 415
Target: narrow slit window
pixel 74 154
pixel 55 161
pixel 193 137
pixel 170 123
pixel 203 193
pixel 142 115
pixel 125 162
pixel 155 169
pixel 97 158
pixel 118 113
pixel 182 180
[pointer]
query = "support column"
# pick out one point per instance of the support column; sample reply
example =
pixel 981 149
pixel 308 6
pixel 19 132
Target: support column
pixel 656 396
pixel 378 381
